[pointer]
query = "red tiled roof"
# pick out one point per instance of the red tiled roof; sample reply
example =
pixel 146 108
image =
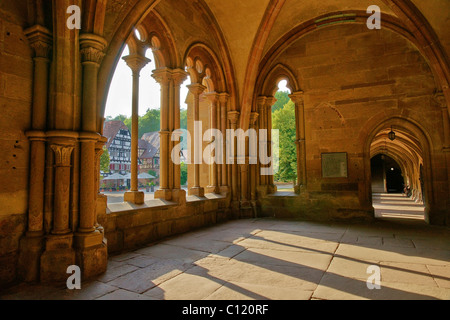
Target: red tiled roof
pixel 111 129
pixel 152 138
pixel 149 152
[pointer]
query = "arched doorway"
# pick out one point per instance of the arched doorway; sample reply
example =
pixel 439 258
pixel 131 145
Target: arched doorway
pixel 387 175
pixel 398 158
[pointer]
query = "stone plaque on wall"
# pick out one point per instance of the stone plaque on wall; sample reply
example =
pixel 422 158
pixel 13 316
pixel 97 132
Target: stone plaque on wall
pixel 334 165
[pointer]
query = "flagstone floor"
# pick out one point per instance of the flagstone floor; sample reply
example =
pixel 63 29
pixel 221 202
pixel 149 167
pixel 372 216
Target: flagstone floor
pixel 274 259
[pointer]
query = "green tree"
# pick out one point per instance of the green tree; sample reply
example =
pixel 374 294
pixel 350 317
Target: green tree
pixel 120 117
pixel 105 160
pixel 283 99
pixel 150 122
pixel 284 121
pixel 183 119
pixel 184 174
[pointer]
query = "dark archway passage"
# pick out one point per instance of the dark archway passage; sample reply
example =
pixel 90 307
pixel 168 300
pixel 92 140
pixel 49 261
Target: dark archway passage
pixel 387 175
pixel 397 190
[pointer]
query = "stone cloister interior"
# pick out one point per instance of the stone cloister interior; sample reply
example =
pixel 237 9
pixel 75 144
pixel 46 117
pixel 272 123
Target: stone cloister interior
pixel 372 113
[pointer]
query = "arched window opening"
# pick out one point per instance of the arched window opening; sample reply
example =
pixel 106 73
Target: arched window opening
pixel 116 162
pixel 284 137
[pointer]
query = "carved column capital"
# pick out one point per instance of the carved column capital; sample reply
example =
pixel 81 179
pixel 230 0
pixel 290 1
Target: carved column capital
pixel 261 102
pixel 271 101
pixel 253 118
pixel 162 76
pixel 233 117
pixel 136 62
pixel 196 89
pixel 213 97
pixel 179 76
pixel 40 39
pixel 439 98
pixel 297 97
pixel 224 97
pixel 92 47
pixel 63 155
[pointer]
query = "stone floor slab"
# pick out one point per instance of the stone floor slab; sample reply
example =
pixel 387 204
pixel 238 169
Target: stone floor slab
pixel 244 291
pixel 186 286
pixel 124 295
pixel 169 252
pixel 406 273
pixel 274 259
pixel 441 275
pixel 336 287
pixel 147 278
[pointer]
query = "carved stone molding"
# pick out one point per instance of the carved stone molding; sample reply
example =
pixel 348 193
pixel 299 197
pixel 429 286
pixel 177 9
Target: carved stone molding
pixel 136 62
pixel 92 47
pixel 297 97
pixel 40 40
pixel 253 118
pixel 223 98
pixel 233 117
pixel 179 76
pixel 261 102
pixel 196 89
pixel 439 98
pixel 63 155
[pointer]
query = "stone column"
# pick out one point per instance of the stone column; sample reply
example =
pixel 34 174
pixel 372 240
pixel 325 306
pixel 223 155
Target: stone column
pixel 41 41
pixel 298 99
pixel 101 199
pixel 136 62
pixel 31 245
pixel 59 253
pixel 253 158
pixel 178 77
pixel 440 99
pixel 92 47
pixel 214 186
pixel 269 103
pixel 261 103
pixel 164 78
pixel 196 190
pixel 63 155
pixel 223 101
pixel 233 117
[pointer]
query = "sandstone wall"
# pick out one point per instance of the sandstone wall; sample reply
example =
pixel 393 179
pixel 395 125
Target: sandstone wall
pixel 16 75
pixel 354 79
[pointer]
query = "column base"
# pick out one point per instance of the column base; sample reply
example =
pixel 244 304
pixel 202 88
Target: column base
pixel 246 210
pixel 235 209
pixel 31 248
pixel 93 261
pixel 254 205
pixel 102 205
pixel 299 189
pixel 225 190
pixel 163 194
pixel 199 192
pixel 213 189
pixel 88 240
pixel 57 257
pixel 179 196
pixel 271 189
pixel 135 197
